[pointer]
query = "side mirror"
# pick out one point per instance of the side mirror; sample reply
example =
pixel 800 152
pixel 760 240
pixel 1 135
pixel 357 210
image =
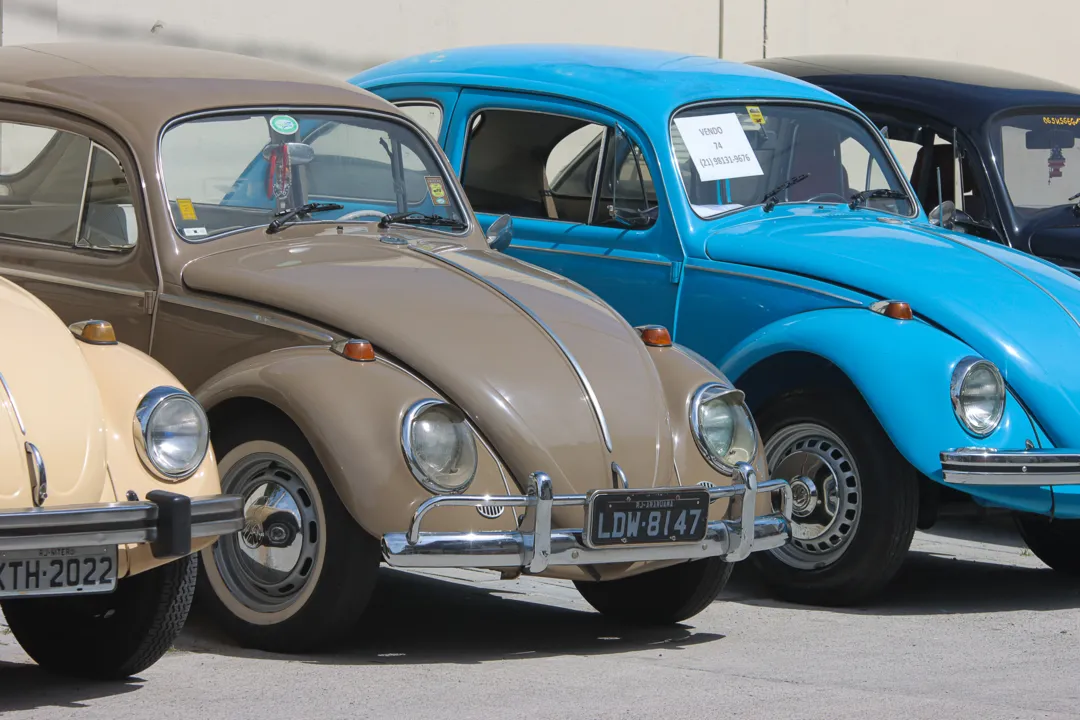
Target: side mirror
pixel 500 233
pixel 944 214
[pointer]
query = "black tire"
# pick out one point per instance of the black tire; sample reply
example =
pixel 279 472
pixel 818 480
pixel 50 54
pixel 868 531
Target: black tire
pixel 857 567
pixel 339 582
pixel 660 597
pixel 107 637
pixel 1055 542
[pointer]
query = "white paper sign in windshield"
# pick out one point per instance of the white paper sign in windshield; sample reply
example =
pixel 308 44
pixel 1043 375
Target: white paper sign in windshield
pixel 718 146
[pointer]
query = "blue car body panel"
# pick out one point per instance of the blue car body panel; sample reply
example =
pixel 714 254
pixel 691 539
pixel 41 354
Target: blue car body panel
pixel 750 285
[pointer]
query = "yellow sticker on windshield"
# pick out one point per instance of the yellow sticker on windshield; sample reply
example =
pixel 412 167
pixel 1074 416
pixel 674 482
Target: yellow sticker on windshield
pixel 755 114
pixel 1070 121
pixel 187 210
pixel 438 192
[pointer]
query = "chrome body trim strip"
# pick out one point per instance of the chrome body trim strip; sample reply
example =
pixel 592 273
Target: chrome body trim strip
pixel 112 523
pixel 536 546
pixel 69 282
pixel 595 256
pixel 252 315
pixel 582 379
pixel 14 407
pixel 775 281
pixel 988 466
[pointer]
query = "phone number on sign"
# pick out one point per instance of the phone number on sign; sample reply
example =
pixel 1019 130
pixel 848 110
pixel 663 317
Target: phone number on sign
pixel 724 160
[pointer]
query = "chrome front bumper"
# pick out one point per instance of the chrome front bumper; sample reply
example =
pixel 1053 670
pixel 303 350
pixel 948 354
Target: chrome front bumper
pixel 166 520
pixel 535 545
pixel 986 466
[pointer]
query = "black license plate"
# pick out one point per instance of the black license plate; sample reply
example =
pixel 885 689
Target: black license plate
pixel 647 517
pixel 57 571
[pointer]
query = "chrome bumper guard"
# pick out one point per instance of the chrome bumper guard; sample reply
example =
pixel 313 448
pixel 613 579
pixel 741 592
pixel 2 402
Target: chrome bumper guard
pixel 986 466
pixel 168 521
pixel 535 546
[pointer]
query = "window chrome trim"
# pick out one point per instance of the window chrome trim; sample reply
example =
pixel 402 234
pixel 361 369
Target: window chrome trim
pixel 959 375
pixel 583 380
pixel 401 119
pixel 739 398
pixel 875 133
pixel 14 406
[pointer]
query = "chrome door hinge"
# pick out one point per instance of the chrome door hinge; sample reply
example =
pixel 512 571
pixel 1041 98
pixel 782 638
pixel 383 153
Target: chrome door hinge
pixel 149 301
pixel 676 272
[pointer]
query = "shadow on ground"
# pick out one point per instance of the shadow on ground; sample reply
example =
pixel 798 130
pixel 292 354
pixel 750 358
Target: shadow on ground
pixel 418 619
pixel 28 687
pixel 933 583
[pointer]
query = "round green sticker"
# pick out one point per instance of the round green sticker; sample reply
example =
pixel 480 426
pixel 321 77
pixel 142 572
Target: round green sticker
pixel 284 125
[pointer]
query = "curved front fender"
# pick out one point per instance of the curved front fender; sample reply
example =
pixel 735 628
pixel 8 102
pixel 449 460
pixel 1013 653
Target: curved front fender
pixel 351 413
pixel 903 370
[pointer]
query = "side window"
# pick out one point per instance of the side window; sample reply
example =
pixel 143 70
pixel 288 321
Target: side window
pixel 62 188
pixel 428 115
pixel 539 165
pixel 906 153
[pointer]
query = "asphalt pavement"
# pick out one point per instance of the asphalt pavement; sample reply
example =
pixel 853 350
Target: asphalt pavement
pixel 975 627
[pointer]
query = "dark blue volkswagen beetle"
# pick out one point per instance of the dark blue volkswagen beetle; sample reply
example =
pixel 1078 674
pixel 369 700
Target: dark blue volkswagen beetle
pixel 766 223
pixel 1004 145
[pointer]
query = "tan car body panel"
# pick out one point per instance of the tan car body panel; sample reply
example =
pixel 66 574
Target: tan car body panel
pixel 242 317
pixel 77 403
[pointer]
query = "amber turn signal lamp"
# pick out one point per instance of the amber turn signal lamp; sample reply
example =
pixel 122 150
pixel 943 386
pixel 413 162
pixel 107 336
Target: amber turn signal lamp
pixel 95 332
pixel 895 309
pixel 358 350
pixel 654 335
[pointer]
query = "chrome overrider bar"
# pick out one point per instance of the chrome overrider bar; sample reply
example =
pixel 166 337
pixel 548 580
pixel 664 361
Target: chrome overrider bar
pixel 986 466
pixel 535 546
pixel 168 521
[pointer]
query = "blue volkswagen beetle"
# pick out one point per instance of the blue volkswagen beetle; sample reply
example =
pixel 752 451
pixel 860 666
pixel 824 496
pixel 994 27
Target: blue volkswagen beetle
pixel 765 222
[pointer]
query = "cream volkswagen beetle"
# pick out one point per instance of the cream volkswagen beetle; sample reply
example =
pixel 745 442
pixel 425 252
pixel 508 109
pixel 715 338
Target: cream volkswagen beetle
pixel 106 492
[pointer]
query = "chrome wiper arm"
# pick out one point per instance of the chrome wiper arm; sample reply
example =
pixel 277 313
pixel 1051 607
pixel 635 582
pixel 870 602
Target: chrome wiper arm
pixel 416 218
pixel 859 199
pixel 288 215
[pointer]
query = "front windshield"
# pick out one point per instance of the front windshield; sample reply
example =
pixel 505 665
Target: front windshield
pixel 1034 152
pixel 730 156
pixel 234 171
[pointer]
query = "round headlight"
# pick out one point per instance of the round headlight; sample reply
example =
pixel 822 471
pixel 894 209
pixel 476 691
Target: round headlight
pixel 978 395
pixel 171 433
pixel 722 427
pixel 439 446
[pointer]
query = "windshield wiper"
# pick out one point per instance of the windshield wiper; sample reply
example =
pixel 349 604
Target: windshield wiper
pixel 860 198
pixel 769 200
pixel 1076 207
pixel 288 215
pixel 415 218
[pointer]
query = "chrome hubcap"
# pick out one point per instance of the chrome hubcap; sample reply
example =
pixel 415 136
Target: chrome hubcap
pixel 268 563
pixel 825 490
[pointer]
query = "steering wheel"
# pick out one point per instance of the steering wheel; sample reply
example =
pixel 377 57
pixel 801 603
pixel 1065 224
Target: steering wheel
pixel 822 196
pixel 362 213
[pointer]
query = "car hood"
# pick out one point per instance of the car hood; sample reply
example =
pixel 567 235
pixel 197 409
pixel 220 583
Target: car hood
pixel 484 353
pixel 1011 308
pixel 53 395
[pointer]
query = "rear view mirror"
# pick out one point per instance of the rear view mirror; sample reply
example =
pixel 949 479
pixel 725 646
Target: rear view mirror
pixel 298 153
pixel 1049 139
pixel 500 232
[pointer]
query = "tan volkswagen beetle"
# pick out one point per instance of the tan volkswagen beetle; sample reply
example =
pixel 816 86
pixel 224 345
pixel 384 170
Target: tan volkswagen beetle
pixel 106 492
pixel 381 385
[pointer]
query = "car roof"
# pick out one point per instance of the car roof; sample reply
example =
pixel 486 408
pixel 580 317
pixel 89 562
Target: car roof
pixel 139 85
pixel 628 81
pixel 963 93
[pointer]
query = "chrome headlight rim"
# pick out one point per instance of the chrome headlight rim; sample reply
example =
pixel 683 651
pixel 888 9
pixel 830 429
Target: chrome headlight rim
pixel 960 375
pixel 710 391
pixel 151 402
pixel 411 414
